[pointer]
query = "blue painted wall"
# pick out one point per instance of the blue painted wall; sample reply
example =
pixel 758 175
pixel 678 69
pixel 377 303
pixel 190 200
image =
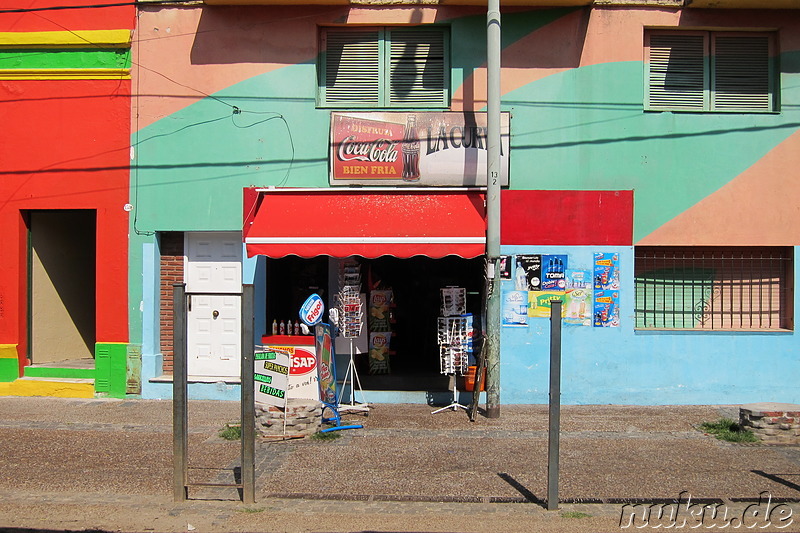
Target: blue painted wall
pixel 624 366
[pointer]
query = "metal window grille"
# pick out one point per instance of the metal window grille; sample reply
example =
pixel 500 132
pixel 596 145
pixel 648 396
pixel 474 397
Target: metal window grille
pixel 713 288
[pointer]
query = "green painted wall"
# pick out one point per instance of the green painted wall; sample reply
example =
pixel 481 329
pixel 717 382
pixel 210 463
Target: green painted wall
pixel 68 58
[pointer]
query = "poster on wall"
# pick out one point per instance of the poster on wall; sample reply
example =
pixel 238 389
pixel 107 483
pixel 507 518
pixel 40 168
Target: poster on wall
pixel 579 279
pixel 606 271
pixel 578 307
pixel 606 309
pixel 515 309
pixel 554 268
pixel 505 267
pixel 539 303
pixel 271 377
pixel 528 272
pixel 422 149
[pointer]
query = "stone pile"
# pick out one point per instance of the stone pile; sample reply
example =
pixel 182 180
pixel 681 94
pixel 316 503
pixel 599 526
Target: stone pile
pixel 303 418
pixel 772 423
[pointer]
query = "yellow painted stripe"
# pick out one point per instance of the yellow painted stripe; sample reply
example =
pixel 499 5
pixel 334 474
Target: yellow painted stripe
pixel 64 39
pixel 57 389
pixel 8 351
pixel 66 74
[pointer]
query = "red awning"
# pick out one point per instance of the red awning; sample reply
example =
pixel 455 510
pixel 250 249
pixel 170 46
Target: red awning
pixel 364 222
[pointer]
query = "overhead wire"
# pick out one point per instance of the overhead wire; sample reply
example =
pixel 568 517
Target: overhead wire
pixel 235 110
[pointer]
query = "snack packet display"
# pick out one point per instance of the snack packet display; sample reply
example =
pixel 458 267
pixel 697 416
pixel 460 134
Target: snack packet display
pixel 379 315
pixel 379 352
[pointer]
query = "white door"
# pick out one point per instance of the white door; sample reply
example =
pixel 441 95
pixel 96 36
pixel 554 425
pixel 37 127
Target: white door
pixel 213 273
pixel 213 262
pixel 214 335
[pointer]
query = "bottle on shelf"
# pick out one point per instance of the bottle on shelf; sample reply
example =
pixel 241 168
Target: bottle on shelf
pixel 282 328
pixel 274 327
pixel 296 327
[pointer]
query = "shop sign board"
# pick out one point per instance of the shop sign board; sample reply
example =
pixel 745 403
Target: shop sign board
pixel 311 310
pixel 271 377
pixel 302 362
pixel 420 149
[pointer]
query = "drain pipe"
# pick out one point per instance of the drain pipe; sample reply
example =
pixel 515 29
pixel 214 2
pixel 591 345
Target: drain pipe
pixel 492 348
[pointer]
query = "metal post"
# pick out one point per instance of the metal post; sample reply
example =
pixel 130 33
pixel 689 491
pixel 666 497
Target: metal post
pixel 180 393
pixel 248 398
pixel 555 405
pixel 493 307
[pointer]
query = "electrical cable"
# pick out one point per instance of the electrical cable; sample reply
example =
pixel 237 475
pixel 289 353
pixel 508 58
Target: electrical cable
pixel 97 6
pixel 236 110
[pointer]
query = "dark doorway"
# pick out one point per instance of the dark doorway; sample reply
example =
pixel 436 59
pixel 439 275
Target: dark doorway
pixel 416 283
pixel 62 286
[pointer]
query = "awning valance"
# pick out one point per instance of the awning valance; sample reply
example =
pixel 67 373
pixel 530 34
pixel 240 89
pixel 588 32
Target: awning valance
pixel 364 222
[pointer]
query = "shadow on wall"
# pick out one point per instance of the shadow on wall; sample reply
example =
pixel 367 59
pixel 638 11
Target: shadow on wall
pixel 259 34
pixel 523 32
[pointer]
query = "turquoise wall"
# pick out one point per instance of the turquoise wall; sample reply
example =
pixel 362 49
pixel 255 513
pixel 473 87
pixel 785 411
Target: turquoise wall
pixel 578 129
pixel 593 134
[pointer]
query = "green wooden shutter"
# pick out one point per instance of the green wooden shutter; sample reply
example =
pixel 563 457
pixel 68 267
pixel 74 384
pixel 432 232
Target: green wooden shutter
pixel 741 80
pixel 418 68
pixel 676 72
pixel 352 65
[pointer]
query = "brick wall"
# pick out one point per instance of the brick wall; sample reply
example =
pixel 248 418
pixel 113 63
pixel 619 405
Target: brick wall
pixel 171 272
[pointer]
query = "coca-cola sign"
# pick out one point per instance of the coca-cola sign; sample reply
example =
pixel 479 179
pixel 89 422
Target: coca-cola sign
pixel 428 149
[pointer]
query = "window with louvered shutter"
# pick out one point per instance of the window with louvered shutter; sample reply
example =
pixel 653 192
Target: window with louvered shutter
pixel 417 69
pixel 384 67
pixel 742 73
pixel 709 71
pixel 677 72
pixel 352 68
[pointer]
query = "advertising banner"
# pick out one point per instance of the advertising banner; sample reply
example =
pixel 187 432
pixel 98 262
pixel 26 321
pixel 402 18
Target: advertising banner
pixel 302 370
pixel 326 369
pixel 271 376
pixel 421 149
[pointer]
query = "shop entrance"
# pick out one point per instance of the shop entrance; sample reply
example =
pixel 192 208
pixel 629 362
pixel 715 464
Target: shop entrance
pixel 415 284
pixel 62 287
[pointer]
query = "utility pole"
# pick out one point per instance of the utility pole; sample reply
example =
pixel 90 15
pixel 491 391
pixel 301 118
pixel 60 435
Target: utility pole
pixel 492 342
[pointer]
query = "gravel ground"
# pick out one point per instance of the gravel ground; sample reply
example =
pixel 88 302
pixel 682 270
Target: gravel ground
pixel 107 464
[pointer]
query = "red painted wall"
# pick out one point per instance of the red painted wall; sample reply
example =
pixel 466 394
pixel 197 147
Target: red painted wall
pixel 568 218
pixel 64 145
pixel 87 18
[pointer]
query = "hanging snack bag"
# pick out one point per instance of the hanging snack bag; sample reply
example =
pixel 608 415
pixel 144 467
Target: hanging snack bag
pixel 379 303
pixel 379 353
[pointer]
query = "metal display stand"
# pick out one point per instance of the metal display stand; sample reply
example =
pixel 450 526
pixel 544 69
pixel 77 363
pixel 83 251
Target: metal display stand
pixel 350 321
pixel 455 340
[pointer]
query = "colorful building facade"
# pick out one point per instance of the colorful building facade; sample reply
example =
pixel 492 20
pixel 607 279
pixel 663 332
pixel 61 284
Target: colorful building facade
pixel 65 104
pixel 638 160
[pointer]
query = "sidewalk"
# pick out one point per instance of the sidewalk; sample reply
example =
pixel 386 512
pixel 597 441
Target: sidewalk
pixel 107 464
